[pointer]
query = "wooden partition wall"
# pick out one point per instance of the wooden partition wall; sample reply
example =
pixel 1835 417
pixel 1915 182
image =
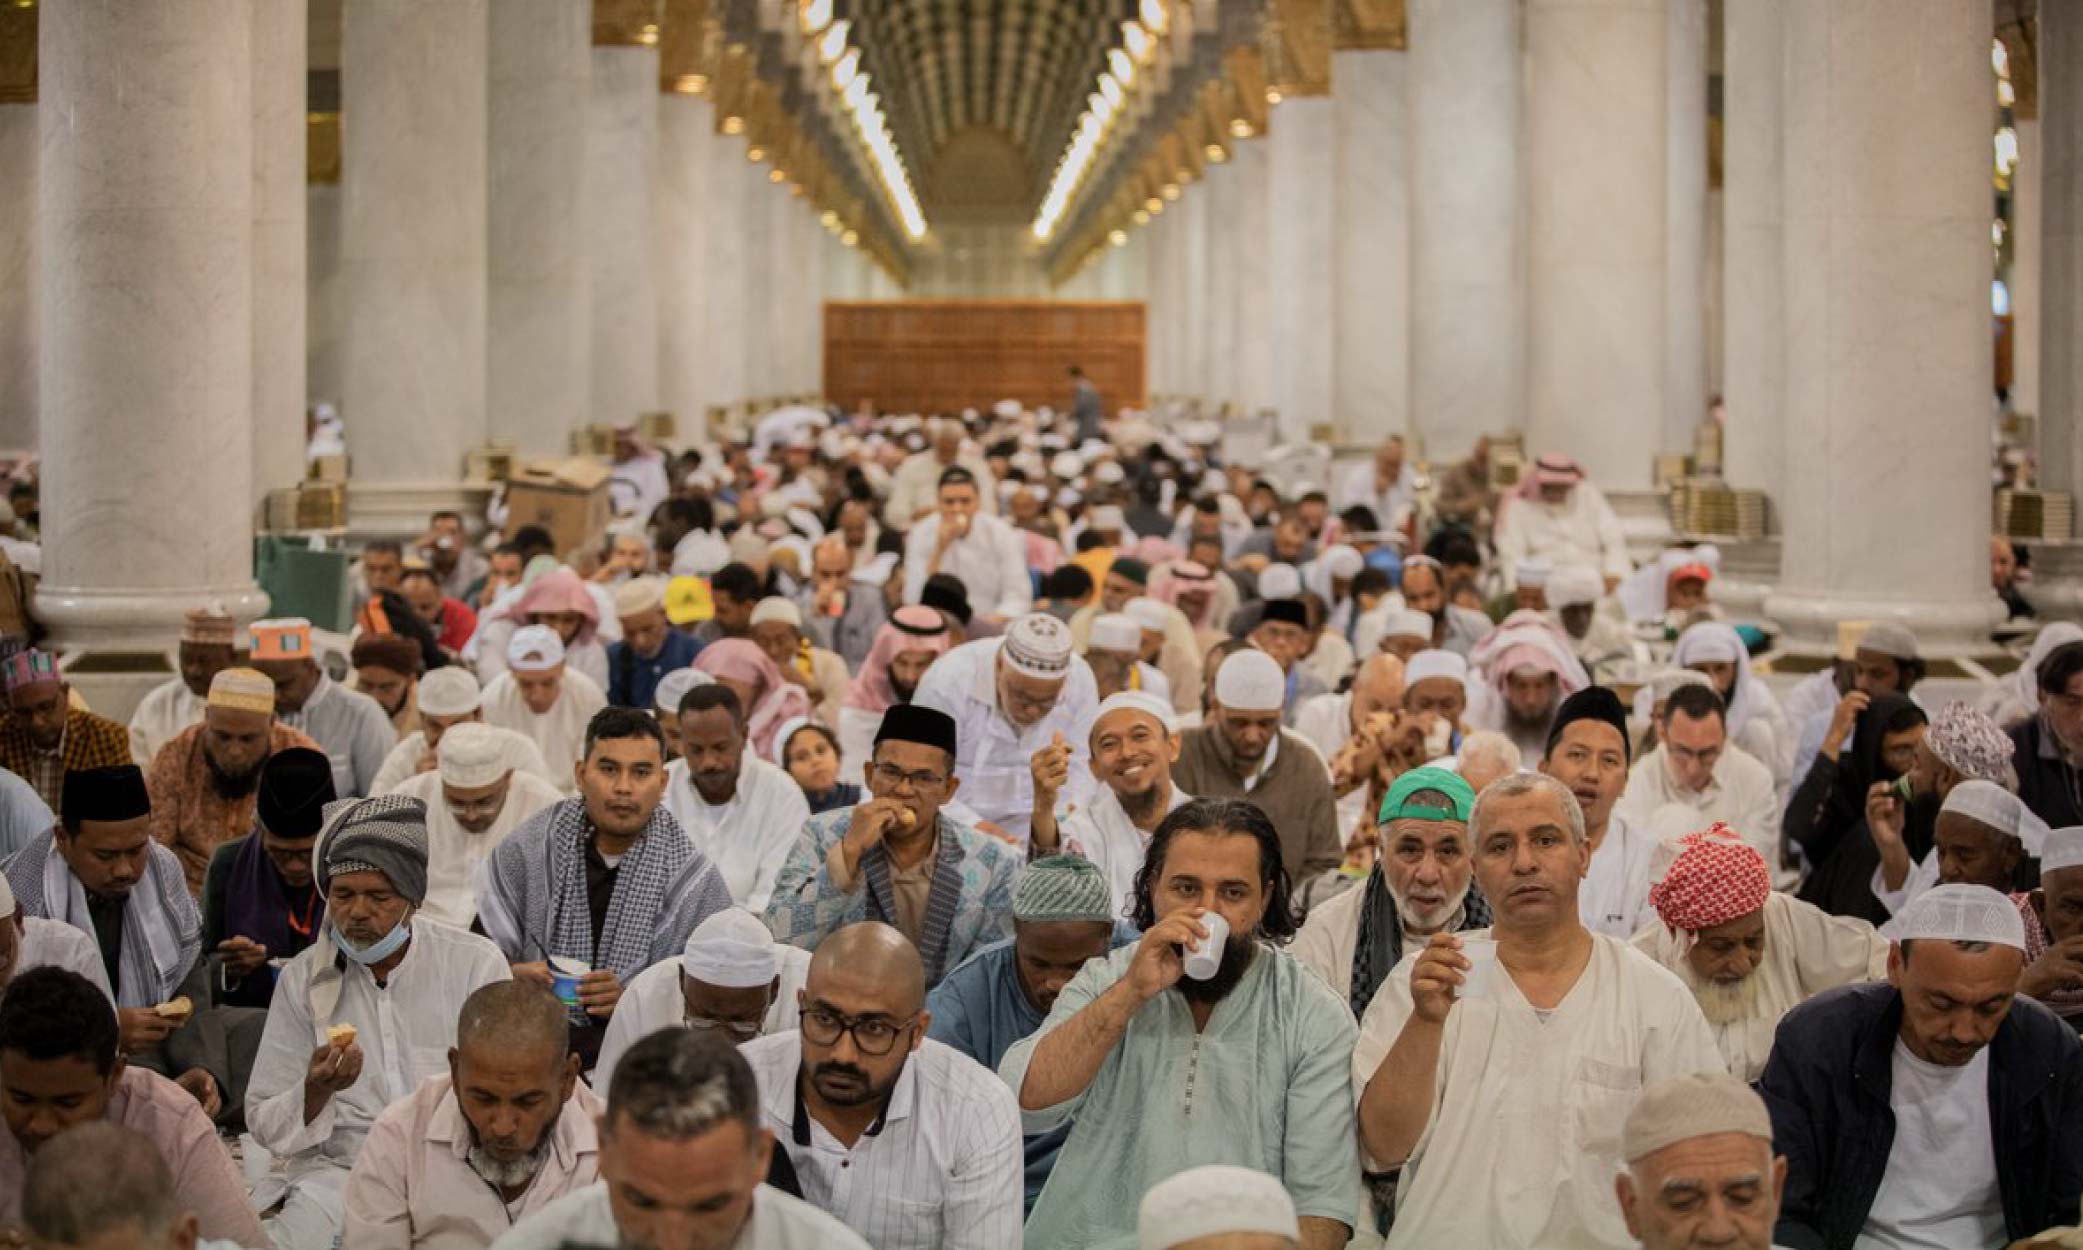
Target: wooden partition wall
pixel 946 355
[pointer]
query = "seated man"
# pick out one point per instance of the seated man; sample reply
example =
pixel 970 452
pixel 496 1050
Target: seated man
pixel 1700 1166
pixel 1133 750
pixel 734 978
pixel 1748 954
pixel 208 646
pixel 1063 917
pixel 203 781
pixel 899 857
pixel 259 902
pixel 1128 1035
pixel 350 727
pixel 1435 692
pixel 1588 752
pixel 1218 1205
pixel 387 668
pixel 98 1185
pixel 606 881
pixel 448 697
pixel 905 645
pixel 649 648
pixel 1114 650
pixel 904 1140
pixel 2056 977
pixel 777 626
pixel 506 1131
pixel 1499 1088
pixel 60 1066
pixel 1697 777
pixel 744 813
pixel 682 1157
pixel 44 737
pixel 1242 752
pixel 843 617
pixel 475 800
pixel 359 1019
pixel 1978 838
pixel 1938 1108
pixel 541 699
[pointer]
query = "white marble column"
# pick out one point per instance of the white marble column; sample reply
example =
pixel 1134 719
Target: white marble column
pixel 2026 188
pixel 1685 222
pixel 538 344
pixel 325 295
pixel 2061 247
pixel 1221 237
pixel 784 290
pixel 1192 213
pixel 144 198
pixel 621 177
pixel 1157 311
pixel 810 313
pixel 279 170
pixel 413 242
pixel 18 425
pixel 756 295
pixel 1468 294
pixel 725 250
pixel 1887 296
pixel 1753 244
pixel 1595 160
pixel 1251 167
pixel 686 133
pixel 1365 272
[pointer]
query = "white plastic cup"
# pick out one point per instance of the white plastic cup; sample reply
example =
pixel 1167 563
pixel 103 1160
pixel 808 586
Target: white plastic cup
pixel 565 973
pixel 1204 958
pixel 1478 979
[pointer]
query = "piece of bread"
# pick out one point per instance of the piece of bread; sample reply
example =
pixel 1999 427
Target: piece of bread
pixel 179 1009
pixel 340 1036
pixel 906 818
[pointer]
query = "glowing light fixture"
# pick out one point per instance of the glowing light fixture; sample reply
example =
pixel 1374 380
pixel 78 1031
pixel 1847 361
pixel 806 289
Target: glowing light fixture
pixel 1240 129
pixel 1119 238
pixel 815 15
pixel 1154 15
pixel 1137 41
pixel 1122 65
pixel 1103 106
pixel 833 43
pixel 843 72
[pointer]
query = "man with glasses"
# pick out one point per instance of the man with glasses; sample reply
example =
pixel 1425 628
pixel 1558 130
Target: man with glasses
pixel 477 795
pixel 899 857
pixel 734 979
pixel 1696 777
pixel 260 908
pixel 907 1141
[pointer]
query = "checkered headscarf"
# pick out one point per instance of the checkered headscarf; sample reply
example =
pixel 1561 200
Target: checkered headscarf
pixel 386 834
pixel 1971 744
pixel 1716 878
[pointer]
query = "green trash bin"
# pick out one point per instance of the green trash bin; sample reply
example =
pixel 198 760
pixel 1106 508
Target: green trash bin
pixel 304 582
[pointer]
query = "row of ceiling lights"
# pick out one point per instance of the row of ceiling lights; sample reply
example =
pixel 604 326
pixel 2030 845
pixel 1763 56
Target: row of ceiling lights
pixel 850 81
pixel 1106 103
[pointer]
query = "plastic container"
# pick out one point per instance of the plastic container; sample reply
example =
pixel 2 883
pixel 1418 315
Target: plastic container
pixel 1204 958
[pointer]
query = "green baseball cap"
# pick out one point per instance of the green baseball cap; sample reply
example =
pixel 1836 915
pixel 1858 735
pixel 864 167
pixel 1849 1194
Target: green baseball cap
pixel 1395 805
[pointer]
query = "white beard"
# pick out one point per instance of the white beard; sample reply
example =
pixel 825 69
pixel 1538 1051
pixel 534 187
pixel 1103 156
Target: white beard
pixel 508 1175
pixel 1432 921
pixel 1723 1003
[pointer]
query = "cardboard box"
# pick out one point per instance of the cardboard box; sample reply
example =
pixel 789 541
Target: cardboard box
pixel 658 427
pixel 567 497
pixel 321 506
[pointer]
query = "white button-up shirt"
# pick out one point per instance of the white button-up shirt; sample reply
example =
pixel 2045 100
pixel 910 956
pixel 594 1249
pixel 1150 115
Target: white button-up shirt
pixel 748 838
pixel 991 560
pixel 994 758
pixel 777 1222
pixel 941 1168
pixel 55 944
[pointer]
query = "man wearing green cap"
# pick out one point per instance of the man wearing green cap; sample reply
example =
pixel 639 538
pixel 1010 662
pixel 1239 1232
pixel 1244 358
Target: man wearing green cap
pixel 1062 917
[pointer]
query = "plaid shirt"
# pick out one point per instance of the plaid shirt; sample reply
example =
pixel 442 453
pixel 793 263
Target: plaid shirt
pixel 90 741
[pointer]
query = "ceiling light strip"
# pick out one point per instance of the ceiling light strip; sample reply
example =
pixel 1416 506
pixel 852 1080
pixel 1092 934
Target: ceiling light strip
pixel 1111 94
pixel 851 84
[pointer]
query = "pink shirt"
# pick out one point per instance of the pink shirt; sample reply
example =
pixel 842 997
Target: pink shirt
pixel 412 1187
pixel 205 1179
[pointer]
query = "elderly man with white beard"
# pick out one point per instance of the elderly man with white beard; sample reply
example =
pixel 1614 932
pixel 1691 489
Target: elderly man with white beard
pixel 1749 955
pixel 1134 745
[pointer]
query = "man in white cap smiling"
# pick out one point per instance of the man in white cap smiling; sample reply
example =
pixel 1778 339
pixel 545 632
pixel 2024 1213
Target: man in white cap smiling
pixel 475 797
pixel 1009 697
pixel 1134 745
pixel 1938 1109
pixel 1244 753
pixel 733 979
pixel 1218 1207
pixel 1700 1168
pixel 543 701
pixel 448 697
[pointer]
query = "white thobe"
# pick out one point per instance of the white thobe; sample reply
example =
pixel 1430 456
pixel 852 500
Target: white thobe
pixel 404 1030
pixel 353 730
pixel 169 708
pixel 916 485
pixel 653 1001
pixel 1741 795
pixel 455 855
pixel 1582 530
pixel 1807 951
pixel 559 733
pixel 1524 1136
pixel 994 757
pixel 402 764
pixel 990 560
pixel 1105 835
pixel 777 1222
pixel 748 838
pixel 1613 897
pixel 1362 488
pixel 55 944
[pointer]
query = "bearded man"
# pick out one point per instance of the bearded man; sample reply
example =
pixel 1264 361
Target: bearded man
pixel 203 781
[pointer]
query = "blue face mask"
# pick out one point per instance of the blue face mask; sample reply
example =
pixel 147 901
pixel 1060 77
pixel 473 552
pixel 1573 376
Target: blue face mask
pixel 379 950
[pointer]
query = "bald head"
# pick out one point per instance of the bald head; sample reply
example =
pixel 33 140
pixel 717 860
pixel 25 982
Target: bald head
pixel 514 1018
pixel 869 963
pixel 95 1179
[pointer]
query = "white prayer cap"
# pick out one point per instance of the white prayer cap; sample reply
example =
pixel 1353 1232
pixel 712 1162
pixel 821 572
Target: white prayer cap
pixel 1426 665
pixel 1574 586
pixel 1109 472
pixel 1279 581
pixel 472 755
pixel 1251 681
pixel 1038 645
pixel 1958 913
pixel 1106 517
pixel 1115 631
pixel 699 553
pixel 1407 623
pixel 1151 614
pixel 674 686
pixel 1342 561
pixel 1889 638
pixel 449 691
pixel 1066 465
pixel 1136 701
pixel 1533 571
pixel 534 649
pixel 639 595
pixel 2063 848
pixel 7 903
pixel 731 950
pixel 1212 1200
pixel 1068 498
pixel 1686 1107
pixel 1993 807
pixel 775 608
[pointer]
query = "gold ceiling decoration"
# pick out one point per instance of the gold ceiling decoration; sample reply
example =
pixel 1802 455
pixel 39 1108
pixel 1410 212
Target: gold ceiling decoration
pixel 17 53
pixel 626 23
pixel 1297 39
pixel 1370 26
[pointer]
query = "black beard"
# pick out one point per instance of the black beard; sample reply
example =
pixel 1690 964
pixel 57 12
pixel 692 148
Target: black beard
pixel 1237 953
pixel 903 690
pixel 233 786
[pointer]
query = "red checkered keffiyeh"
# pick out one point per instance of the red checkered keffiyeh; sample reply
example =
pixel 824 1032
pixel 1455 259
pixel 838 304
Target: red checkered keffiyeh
pixel 1715 879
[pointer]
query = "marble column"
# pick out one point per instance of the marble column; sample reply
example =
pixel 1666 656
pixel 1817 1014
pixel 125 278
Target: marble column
pixel 784 290
pixel 686 133
pixel 1157 309
pixel 279 169
pixel 756 295
pixel 1363 156
pixel 1221 240
pixel 2027 181
pixel 413 243
pixel 1251 167
pixel 1753 243
pixel 725 250
pixel 1685 222
pixel 1887 345
pixel 538 340
pixel 18 385
pixel 1192 213
pixel 1596 243
pixel 1468 296
pixel 810 323
pixel 144 199
pixel 2061 248
pixel 621 178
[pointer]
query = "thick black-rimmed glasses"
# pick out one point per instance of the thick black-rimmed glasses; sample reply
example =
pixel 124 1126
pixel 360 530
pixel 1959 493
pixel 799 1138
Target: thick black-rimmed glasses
pixel 872 1035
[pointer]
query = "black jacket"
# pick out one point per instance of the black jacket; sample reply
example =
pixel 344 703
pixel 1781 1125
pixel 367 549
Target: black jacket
pixel 1827 1087
pixel 2048 786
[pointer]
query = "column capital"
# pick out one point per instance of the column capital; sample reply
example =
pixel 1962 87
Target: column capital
pixel 1297 41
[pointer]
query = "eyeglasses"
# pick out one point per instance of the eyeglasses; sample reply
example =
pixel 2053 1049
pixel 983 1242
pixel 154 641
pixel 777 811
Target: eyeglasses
pixel 872 1035
pixel 486 808
pixel 890 777
pixel 285 856
pixel 736 1030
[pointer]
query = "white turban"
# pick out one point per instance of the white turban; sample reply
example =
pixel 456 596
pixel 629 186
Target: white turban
pixel 1251 681
pixel 472 755
pixel 1115 631
pixel 1958 913
pixel 1038 645
pixel 1574 586
pixel 1212 1200
pixel 731 950
pixel 1993 807
pixel 674 686
pixel 449 691
pixel 1426 665
pixel 1533 572
pixel 534 649
pixel 1106 517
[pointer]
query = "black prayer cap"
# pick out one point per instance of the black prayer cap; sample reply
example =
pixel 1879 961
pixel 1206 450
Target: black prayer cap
pixel 1593 703
pixel 913 722
pixel 1286 611
pixel 1134 570
pixel 946 592
pixel 105 795
pixel 295 786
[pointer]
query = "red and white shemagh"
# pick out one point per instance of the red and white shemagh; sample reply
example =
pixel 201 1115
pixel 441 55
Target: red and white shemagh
pixel 1715 879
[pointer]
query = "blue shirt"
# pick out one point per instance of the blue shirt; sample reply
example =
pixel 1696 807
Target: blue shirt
pixel 980 1010
pixel 633 680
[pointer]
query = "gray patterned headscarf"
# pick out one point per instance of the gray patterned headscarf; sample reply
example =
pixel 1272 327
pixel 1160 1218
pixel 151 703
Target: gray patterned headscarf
pixel 386 834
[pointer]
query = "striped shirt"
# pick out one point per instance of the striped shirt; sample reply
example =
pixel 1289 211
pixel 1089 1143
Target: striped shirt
pixel 941 1168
